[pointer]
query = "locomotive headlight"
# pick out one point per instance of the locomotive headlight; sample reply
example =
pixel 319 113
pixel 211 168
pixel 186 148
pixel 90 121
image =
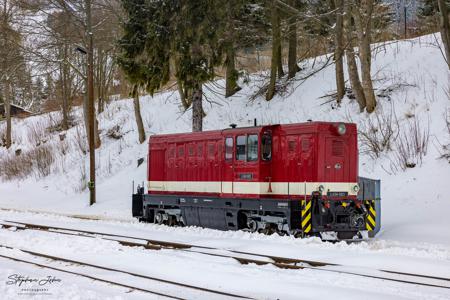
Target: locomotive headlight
pixel 341 129
pixel 356 188
pixel 321 188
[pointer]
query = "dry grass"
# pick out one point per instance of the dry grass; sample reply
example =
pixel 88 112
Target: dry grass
pixel 43 159
pixel 37 133
pixel 38 161
pixel 412 145
pixel 376 136
pixel 16 167
pixel 80 139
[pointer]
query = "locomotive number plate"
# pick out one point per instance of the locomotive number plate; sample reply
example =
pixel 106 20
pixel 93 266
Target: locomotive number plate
pixel 337 194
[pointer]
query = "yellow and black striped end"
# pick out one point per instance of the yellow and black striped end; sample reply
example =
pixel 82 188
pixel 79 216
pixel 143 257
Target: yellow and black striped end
pixel 306 216
pixel 371 215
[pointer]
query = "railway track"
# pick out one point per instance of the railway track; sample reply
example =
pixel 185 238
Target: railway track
pixel 53 259
pixel 244 257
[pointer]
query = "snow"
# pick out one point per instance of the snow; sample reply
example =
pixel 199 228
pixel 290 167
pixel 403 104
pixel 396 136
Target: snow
pixel 415 235
pixel 261 282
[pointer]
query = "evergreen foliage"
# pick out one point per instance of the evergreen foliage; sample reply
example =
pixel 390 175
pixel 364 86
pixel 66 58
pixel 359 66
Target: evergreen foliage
pixel 163 35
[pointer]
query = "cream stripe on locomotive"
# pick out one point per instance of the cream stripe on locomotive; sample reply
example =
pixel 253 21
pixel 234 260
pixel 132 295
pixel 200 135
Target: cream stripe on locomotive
pixel 255 188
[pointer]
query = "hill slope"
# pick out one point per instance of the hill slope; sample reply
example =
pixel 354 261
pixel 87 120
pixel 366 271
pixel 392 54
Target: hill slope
pixel 411 80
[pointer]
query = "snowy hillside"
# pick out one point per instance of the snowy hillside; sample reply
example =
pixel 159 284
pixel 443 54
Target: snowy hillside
pixel 411 80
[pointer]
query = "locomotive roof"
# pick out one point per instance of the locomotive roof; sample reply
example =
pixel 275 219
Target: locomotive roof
pixel 249 129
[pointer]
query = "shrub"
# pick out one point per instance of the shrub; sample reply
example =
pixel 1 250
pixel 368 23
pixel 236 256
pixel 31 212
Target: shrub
pixel 377 133
pixel 412 144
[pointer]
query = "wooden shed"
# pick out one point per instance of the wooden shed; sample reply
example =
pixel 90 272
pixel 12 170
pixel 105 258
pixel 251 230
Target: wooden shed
pixel 16 111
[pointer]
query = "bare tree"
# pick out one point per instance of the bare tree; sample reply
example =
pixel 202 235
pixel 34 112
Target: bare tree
pixel 275 66
pixel 338 49
pixel 137 114
pixel 10 56
pixel 362 15
pixel 293 67
pixel 351 61
pixel 445 29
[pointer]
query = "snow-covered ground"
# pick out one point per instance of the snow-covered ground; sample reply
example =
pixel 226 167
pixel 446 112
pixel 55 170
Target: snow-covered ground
pixel 415 231
pixel 218 273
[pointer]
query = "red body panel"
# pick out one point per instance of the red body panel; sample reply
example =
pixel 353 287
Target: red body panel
pixel 306 152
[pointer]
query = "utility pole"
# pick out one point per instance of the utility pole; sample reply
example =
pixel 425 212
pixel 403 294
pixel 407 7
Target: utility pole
pixel 90 88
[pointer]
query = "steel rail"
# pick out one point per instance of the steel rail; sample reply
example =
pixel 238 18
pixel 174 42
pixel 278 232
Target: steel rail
pixel 280 262
pixel 62 259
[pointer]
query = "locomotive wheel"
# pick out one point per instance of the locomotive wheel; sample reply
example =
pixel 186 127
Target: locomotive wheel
pixel 252 225
pixel 282 233
pixel 172 221
pixel 159 218
pixel 268 230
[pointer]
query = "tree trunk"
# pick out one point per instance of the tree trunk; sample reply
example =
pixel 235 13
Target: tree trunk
pixel 184 100
pixel 338 51
pixel 292 55
pixel 65 91
pixel 197 109
pixel 352 68
pixel 363 29
pixel 277 30
pixel 275 53
pixel 7 106
pixel 445 29
pixel 231 76
pixel 137 114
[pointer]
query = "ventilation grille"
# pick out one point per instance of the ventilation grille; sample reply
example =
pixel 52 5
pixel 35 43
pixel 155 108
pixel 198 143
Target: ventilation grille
pixel 337 148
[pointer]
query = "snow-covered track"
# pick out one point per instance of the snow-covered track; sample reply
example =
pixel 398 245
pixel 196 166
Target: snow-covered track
pixel 53 258
pixel 244 257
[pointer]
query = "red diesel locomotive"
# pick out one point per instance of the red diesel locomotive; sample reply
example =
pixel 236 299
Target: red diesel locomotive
pixel 299 179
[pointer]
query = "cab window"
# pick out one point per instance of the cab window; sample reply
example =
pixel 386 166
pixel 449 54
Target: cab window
pixel 252 147
pixel 241 147
pixel 229 148
pixel 266 147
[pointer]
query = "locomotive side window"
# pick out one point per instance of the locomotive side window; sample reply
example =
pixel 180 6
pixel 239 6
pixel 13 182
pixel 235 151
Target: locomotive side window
pixel 200 150
pixel 305 145
pixel 211 150
pixel 241 145
pixel 172 152
pixel 252 147
pixel 191 150
pixel 266 147
pixel 181 151
pixel 229 148
pixel 292 145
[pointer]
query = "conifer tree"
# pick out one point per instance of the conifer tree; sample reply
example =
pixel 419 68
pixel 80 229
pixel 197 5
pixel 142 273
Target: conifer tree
pixel 161 34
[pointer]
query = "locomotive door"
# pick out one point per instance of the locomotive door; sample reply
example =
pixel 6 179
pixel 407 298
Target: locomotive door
pixel 335 160
pixel 228 165
pixel 300 157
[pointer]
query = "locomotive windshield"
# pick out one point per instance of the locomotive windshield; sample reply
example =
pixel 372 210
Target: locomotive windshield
pixel 247 147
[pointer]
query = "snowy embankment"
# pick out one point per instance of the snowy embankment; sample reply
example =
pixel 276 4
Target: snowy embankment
pixel 411 79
